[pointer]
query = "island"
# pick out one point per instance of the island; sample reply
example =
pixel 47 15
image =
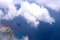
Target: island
pixel 6 33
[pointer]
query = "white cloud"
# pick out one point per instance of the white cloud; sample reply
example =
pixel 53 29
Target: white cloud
pixel 30 19
pixel 11 13
pixel 25 38
pixel 18 1
pixel 9 1
pixel 0 13
pixel 54 4
pixel 33 13
pixel 8 4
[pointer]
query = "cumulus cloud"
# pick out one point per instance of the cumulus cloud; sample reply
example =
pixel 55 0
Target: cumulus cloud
pixel 53 4
pixel 33 13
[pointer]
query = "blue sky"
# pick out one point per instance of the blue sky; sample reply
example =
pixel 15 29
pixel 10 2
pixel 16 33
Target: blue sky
pixel 39 18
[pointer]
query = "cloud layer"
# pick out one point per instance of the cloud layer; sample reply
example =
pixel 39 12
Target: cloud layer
pixel 33 13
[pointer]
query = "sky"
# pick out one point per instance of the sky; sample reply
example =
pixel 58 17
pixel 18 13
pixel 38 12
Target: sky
pixel 31 13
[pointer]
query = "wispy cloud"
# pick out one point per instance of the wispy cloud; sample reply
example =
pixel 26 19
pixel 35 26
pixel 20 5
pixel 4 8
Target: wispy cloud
pixel 25 38
pixel 54 4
